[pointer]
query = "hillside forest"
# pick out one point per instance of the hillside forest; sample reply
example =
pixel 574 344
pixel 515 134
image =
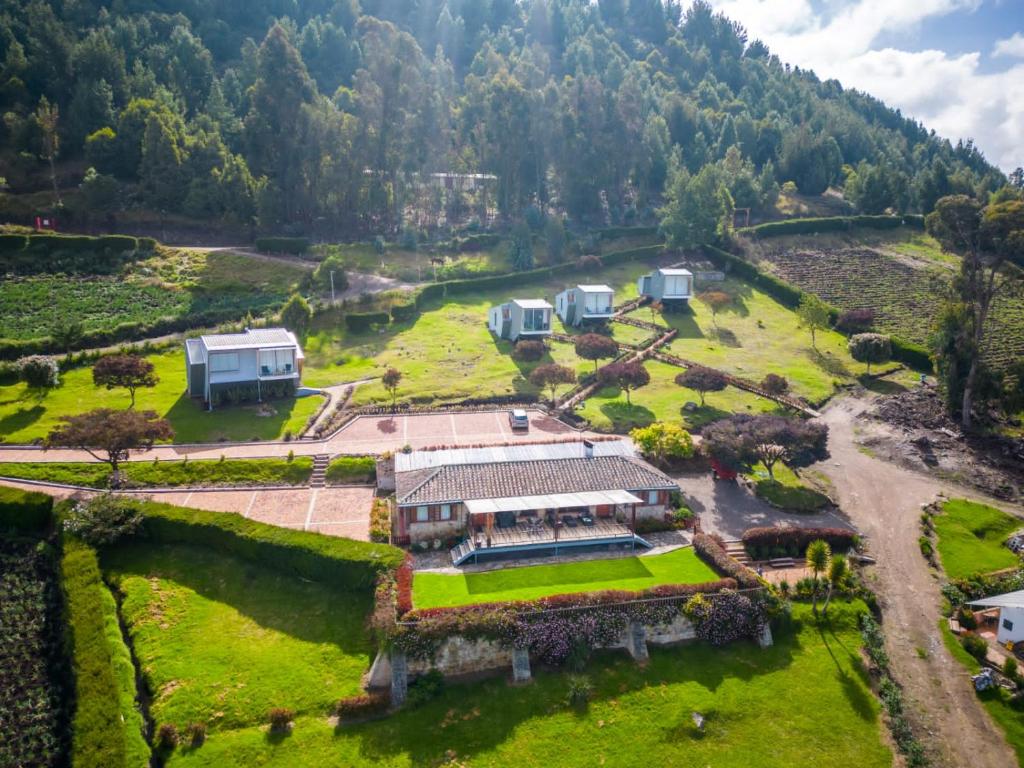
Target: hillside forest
pixel 336 118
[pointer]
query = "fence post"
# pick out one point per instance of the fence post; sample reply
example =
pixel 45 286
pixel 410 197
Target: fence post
pixel 521 665
pixel 399 678
pixel 636 641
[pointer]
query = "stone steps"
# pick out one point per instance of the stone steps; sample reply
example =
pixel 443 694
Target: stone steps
pixel 319 477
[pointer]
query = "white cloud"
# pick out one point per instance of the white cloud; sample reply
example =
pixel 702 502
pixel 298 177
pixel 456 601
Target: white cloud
pixel 1011 46
pixel 946 92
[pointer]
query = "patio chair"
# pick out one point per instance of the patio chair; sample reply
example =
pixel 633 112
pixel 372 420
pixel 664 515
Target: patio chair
pixel 265 370
pixel 570 521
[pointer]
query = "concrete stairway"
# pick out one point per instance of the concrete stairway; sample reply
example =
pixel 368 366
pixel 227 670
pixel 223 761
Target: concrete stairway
pixel 736 551
pixel 319 477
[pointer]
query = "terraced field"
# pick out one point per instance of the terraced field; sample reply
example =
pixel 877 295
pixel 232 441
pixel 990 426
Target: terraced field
pixel 898 277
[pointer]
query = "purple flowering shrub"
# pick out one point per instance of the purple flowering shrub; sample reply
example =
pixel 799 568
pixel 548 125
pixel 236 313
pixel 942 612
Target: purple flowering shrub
pixel 725 617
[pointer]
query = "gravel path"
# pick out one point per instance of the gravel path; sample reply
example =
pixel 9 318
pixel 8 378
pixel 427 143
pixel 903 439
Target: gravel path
pixel 884 501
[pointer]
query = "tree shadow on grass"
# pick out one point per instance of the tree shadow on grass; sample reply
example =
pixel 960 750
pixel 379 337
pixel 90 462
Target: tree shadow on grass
pixel 828 363
pixel 854 681
pixel 23 418
pixel 685 324
pixel 727 338
pixel 625 416
pixel 476 718
pixel 881 386
pixel 271 599
pixel 241 421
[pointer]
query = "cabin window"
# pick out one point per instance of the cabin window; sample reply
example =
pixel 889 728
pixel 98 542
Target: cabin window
pixel 572 297
pixel 422 514
pixel 652 497
pixel 446 512
pixel 506 313
pixel 226 361
pixel 535 320
pixel 1008 625
pixel 276 362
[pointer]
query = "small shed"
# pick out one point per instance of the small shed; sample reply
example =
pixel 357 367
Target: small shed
pixel 1011 615
pixel 530 318
pixel 585 302
pixel 667 284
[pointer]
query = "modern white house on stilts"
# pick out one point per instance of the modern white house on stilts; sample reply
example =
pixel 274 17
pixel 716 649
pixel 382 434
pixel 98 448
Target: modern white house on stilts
pixel 242 366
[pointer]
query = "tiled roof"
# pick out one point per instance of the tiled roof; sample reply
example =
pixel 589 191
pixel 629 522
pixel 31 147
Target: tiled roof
pixel 527 478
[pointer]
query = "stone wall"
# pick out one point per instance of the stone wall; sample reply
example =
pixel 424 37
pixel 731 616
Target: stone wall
pixel 459 656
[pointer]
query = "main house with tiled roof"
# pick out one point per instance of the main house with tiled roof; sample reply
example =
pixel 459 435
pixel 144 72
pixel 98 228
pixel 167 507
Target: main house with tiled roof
pixel 527 499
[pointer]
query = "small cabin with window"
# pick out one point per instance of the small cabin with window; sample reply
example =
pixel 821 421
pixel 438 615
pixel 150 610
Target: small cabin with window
pixel 264 360
pixel 1006 612
pixel 585 303
pixel 667 285
pixel 527 318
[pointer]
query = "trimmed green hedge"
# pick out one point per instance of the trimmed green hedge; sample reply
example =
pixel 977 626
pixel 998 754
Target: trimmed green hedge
pixel 361 321
pixel 106 726
pixel 401 312
pixel 613 233
pixel 46 252
pixel 343 563
pixel 911 354
pixel 24 511
pixel 202 472
pixel 352 469
pixel 293 245
pixel 823 224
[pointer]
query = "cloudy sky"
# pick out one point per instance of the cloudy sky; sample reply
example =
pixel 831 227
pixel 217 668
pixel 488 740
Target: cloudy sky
pixel 955 65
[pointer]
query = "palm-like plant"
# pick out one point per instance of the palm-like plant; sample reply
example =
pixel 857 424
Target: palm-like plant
pixel 818 556
pixel 836 571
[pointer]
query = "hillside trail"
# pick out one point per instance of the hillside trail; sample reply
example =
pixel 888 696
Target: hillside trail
pixel 884 501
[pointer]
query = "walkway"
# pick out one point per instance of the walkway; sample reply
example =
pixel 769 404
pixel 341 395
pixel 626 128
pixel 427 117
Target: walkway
pixel 362 435
pixel 334 511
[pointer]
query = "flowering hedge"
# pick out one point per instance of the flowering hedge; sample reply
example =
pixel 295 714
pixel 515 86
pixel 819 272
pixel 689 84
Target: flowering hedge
pixel 729 616
pixel 403 586
pixel 711 552
pixel 548 627
pixel 363 706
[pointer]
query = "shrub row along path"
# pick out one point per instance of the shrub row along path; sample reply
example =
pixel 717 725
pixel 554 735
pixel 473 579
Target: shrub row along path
pixel 884 502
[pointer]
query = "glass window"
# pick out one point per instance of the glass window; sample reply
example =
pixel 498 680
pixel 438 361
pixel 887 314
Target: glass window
pixel 652 497
pixel 506 313
pixel 1008 625
pixel 446 511
pixel 572 297
pixel 225 361
pixel 422 514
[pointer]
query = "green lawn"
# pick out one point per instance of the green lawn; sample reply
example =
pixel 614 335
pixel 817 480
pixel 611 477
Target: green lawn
pixel 996 702
pixel 787 490
pixel 222 641
pixel 663 400
pixel 970 538
pixel 168 473
pixel 757 336
pixel 804 701
pixel 26 415
pixel 681 566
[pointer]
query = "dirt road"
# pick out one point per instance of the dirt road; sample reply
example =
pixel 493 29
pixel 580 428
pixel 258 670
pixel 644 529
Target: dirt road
pixel 884 502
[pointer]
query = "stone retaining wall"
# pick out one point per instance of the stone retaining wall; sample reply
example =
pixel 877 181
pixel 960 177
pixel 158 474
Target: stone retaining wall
pixel 460 657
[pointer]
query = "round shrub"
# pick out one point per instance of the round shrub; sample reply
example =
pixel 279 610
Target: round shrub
pixel 196 734
pixel 975 645
pixel 167 736
pixel 529 351
pixel 39 371
pixel 104 519
pixel 280 719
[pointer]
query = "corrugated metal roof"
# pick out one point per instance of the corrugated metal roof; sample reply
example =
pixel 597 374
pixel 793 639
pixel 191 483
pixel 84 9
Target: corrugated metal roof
pixel 253 337
pixel 668 271
pixel 1008 600
pixel 595 289
pixel 407 462
pixel 532 303
pixel 551 501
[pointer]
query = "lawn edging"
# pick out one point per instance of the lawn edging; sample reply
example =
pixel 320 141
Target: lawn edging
pixel 107 726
